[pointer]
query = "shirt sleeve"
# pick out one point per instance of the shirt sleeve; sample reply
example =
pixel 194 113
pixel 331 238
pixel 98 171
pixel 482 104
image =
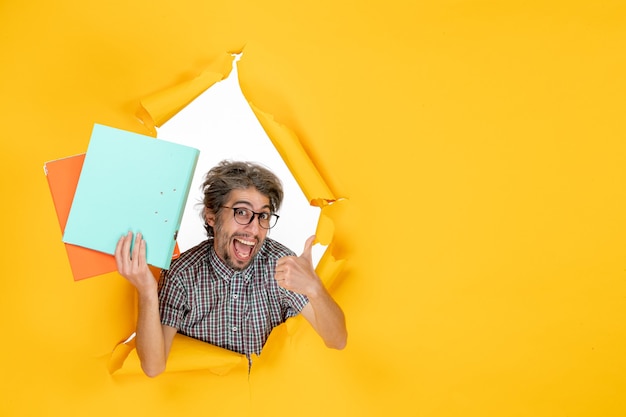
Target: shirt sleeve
pixel 292 303
pixel 173 303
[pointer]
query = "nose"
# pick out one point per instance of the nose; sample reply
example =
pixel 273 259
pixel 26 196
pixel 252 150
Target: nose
pixel 254 223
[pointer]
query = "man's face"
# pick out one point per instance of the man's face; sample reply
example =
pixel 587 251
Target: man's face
pixel 237 244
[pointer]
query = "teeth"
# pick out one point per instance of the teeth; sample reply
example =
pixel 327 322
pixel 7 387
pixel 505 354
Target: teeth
pixel 245 242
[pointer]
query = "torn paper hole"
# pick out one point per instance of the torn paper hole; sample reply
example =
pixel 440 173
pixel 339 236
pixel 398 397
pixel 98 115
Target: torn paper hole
pixel 221 123
pixel 224 125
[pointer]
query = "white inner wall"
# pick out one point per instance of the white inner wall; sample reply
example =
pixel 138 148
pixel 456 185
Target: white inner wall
pixel 221 124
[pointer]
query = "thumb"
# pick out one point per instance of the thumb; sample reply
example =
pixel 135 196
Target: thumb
pixel 308 249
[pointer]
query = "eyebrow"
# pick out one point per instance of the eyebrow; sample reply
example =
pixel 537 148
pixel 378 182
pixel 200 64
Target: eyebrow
pixel 247 203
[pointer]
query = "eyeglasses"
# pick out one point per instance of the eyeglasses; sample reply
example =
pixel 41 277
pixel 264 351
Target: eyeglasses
pixel 245 216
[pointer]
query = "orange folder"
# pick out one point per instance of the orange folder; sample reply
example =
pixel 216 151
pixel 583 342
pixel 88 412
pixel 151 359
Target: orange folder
pixel 63 175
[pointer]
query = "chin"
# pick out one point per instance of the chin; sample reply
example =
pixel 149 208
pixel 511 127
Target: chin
pixel 236 263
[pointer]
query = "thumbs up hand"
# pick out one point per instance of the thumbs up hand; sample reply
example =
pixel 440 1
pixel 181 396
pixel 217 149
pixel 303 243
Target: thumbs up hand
pixel 297 274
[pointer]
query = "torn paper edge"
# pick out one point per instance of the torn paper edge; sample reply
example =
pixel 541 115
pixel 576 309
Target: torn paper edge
pixel 157 108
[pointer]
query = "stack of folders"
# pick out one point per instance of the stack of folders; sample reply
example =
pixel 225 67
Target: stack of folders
pixel 125 182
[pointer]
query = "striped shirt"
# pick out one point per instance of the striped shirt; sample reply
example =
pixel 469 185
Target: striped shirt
pixel 206 299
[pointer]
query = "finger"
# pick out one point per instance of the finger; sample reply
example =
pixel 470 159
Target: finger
pixel 282 262
pixel 118 253
pixel 118 247
pixel 126 245
pixel 122 250
pixel 280 275
pixel 281 280
pixel 307 253
pixel 142 253
pixel 135 251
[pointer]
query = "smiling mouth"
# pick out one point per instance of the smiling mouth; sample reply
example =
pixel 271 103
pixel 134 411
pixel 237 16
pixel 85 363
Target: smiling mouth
pixel 243 248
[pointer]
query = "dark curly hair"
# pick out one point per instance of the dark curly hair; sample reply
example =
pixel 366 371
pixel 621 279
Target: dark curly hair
pixel 230 175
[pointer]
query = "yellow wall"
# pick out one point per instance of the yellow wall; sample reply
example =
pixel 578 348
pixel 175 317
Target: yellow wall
pixel 480 149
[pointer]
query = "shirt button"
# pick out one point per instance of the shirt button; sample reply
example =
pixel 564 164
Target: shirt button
pixel 235 296
pixel 234 328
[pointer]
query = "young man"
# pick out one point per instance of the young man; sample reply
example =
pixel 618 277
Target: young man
pixel 234 288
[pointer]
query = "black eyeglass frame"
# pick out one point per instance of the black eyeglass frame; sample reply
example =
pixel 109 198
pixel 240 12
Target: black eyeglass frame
pixel 255 214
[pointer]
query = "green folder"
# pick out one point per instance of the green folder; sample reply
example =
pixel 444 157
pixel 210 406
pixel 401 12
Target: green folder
pixel 131 182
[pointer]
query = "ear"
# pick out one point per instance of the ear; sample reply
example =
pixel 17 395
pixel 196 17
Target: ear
pixel 209 217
